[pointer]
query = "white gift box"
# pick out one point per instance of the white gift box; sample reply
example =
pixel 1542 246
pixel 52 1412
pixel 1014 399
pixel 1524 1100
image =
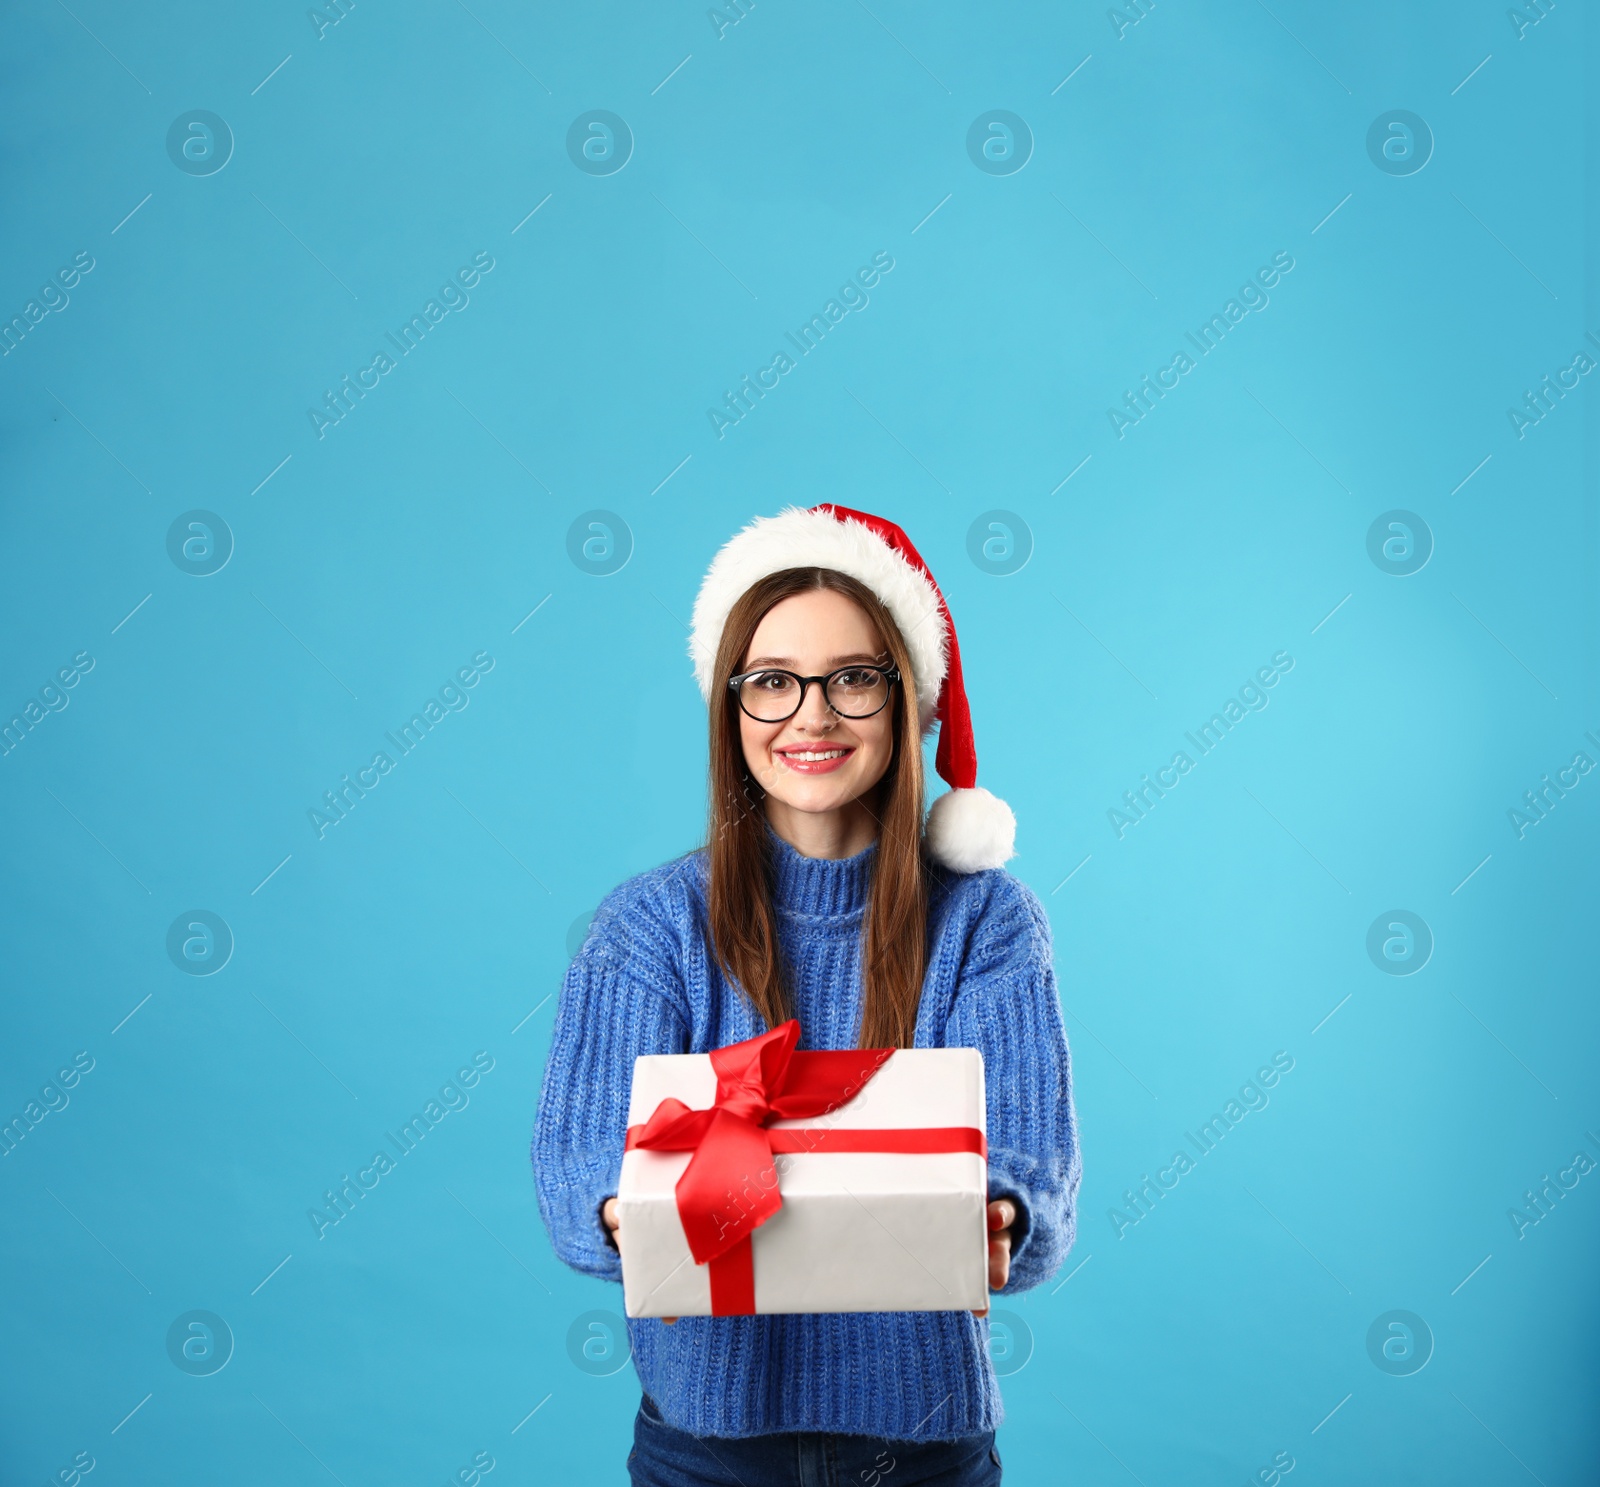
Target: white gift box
pixel 858 1230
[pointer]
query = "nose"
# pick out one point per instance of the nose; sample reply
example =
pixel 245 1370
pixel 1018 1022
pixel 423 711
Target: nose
pixel 815 714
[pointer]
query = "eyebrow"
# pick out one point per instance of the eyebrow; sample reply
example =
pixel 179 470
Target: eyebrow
pixel 788 661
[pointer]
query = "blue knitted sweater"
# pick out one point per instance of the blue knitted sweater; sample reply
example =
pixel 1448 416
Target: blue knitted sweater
pixel 645 981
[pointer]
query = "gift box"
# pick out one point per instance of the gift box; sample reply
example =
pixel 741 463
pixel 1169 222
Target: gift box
pixel 761 1178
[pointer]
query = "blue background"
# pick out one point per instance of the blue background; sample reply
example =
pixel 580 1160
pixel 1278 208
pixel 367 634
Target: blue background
pixel 1173 154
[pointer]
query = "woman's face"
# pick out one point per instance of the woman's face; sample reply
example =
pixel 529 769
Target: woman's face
pixel 812 634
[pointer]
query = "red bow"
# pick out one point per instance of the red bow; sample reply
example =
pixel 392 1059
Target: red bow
pixel 730 1186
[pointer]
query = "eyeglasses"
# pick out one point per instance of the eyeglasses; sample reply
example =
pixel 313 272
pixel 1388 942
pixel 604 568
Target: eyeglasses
pixel 771 696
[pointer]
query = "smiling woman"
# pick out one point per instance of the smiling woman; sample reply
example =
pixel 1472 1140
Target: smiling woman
pixel 814 620
pixel 825 653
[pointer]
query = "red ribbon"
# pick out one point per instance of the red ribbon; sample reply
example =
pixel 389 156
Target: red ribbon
pixel 730 1187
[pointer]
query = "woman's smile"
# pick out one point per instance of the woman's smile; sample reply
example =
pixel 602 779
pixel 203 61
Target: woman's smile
pixel 809 758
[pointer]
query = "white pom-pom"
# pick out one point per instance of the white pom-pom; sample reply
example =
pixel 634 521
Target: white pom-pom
pixel 970 830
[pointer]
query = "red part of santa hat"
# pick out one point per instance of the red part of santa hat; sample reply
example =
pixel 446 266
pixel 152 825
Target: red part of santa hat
pixel 968 829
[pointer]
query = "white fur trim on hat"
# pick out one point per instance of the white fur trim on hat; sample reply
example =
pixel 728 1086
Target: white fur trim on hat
pixel 970 830
pixel 798 538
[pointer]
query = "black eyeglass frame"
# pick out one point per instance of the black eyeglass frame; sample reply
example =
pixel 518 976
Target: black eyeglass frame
pixel 890 673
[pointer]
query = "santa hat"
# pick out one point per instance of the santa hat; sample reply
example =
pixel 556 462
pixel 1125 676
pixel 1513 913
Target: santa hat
pixel 968 828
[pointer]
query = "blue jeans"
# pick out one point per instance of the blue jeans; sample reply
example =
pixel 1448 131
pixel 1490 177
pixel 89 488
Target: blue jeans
pixel 664 1456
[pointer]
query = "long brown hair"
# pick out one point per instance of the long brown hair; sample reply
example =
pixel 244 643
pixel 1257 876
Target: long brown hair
pixel 739 901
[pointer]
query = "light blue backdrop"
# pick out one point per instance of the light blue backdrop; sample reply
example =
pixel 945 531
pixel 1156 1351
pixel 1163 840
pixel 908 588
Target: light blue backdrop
pixel 1384 1271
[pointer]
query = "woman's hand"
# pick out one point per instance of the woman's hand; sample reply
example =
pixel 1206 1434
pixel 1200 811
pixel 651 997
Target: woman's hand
pixel 1002 1215
pixel 608 1213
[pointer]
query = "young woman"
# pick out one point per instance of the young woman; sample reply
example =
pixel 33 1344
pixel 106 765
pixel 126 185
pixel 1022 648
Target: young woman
pixel 826 653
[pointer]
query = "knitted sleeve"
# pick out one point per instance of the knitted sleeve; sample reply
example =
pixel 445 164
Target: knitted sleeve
pixel 1006 1006
pixel 616 1003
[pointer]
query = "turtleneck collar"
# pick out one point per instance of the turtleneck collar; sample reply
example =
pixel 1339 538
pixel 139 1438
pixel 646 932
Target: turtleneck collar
pixel 819 887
